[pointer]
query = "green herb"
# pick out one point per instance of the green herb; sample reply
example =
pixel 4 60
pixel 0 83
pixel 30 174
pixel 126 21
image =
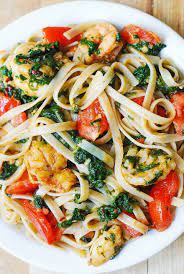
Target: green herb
pixel 182 131
pixel 142 168
pixel 75 138
pixel 130 117
pixel 75 109
pixel 4 71
pixel 124 202
pixel 107 213
pixel 120 203
pixel 161 85
pixel 95 121
pixel 22 141
pixel 97 173
pixel 118 37
pixel 81 155
pixel 117 104
pixel 157 176
pixel 157 152
pixel 59 138
pixel 38 201
pixel 18 94
pixel 22 77
pixel 117 250
pixel 78 215
pixel 142 74
pixel 127 142
pixel 135 36
pixel 132 159
pixel 86 239
pixel 7 170
pixel 151 49
pixel 92 46
pixel 76 198
pixel 113 237
pixel 53 112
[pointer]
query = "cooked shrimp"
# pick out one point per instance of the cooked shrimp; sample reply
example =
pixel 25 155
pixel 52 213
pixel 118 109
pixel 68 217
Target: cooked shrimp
pixel 99 43
pixel 49 167
pixel 106 245
pixel 21 71
pixel 143 167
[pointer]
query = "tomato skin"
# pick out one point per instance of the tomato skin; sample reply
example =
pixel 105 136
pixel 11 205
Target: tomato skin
pixel 160 209
pixel 53 34
pixel 128 34
pixel 178 101
pixel 86 117
pixel 56 230
pixel 139 100
pixel 129 229
pixel 22 186
pixel 39 220
pixel 7 103
pixel 46 225
pixel 19 119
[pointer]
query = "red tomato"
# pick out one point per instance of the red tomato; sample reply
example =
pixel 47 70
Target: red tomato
pixel 132 34
pixel 53 34
pixel 19 119
pixel 22 186
pixel 178 101
pixel 56 230
pixel 92 122
pixel 129 229
pixel 161 111
pixel 7 103
pixel 139 100
pixel 160 208
pixel 44 224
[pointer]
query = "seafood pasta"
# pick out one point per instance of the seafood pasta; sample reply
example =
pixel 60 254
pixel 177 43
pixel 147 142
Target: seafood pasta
pixel 91 137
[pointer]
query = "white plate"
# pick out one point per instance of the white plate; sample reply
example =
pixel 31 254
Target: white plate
pixel 12 239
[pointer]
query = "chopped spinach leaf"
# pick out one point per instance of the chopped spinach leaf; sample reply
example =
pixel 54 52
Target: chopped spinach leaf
pixel 142 74
pixel 142 168
pixel 157 176
pixel 4 71
pixel 118 37
pixel 78 215
pixel 150 49
pixel 38 201
pixel 92 46
pixel 53 112
pixel 7 170
pixel 120 203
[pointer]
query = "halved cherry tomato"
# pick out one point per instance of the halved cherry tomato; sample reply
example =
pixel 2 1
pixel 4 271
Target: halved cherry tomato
pixel 160 209
pixel 53 34
pixel 138 100
pixel 19 119
pixel 129 229
pixel 92 122
pixel 160 110
pixel 44 224
pixel 178 101
pixel 7 103
pixel 56 230
pixel 22 186
pixel 132 34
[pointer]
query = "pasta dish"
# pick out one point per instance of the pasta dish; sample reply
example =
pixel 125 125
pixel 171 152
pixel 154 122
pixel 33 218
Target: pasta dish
pixel 91 137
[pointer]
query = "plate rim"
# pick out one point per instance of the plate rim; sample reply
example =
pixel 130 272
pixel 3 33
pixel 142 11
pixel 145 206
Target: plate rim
pixel 180 40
